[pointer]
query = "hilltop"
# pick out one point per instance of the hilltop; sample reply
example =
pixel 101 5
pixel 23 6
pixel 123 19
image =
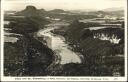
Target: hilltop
pixel 30 11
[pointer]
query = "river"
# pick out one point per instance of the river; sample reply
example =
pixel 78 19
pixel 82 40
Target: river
pixel 57 44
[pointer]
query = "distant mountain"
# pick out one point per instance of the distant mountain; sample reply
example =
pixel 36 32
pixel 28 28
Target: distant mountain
pixel 58 11
pixel 30 11
pixel 114 9
pixel 6 12
pixel 33 11
pixel 83 10
pixel 43 11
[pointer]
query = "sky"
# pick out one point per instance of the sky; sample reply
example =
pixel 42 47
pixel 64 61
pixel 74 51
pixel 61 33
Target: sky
pixel 63 4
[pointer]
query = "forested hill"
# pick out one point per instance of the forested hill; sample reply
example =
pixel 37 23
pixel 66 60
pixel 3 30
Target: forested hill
pixel 98 54
pixel 27 56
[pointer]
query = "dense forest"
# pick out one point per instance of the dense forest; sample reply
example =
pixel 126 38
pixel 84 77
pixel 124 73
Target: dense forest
pixel 27 56
pixel 30 56
pixel 100 56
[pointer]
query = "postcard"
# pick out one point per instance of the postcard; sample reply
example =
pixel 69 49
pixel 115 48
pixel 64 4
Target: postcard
pixel 64 40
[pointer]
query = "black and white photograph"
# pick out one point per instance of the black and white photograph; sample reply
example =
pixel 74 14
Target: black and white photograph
pixel 64 38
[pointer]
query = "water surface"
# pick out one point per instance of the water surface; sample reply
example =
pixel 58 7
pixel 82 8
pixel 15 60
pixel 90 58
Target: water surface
pixel 57 44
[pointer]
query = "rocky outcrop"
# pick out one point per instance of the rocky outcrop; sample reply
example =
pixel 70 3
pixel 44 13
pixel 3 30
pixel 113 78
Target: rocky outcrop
pixel 30 11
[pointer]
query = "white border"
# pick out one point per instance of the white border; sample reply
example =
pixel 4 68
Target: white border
pixel 126 44
pixel 2 39
pixel 60 78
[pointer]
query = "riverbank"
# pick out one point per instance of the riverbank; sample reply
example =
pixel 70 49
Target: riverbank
pixel 25 56
pixel 60 48
pixel 58 45
pixel 98 54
